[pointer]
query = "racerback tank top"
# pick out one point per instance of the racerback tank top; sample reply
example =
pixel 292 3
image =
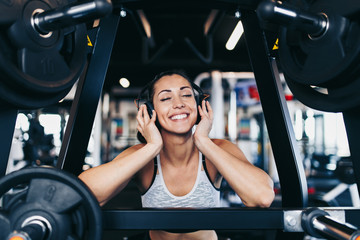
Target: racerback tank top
pixel 202 195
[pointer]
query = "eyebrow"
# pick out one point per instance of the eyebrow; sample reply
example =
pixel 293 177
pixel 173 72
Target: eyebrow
pixel 168 90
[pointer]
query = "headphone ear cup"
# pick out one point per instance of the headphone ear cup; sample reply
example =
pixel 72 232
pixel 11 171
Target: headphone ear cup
pixel 199 100
pixel 149 108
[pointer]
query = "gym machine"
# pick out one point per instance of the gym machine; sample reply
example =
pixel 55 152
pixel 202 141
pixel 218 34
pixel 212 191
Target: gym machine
pixel 318 51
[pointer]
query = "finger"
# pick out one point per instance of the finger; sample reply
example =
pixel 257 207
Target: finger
pixel 200 111
pixel 209 109
pixel 140 129
pixel 153 117
pixel 139 117
pixel 145 114
pixel 204 108
pixel 203 103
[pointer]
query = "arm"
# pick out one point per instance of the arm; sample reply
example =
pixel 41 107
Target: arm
pixel 108 179
pixel 253 185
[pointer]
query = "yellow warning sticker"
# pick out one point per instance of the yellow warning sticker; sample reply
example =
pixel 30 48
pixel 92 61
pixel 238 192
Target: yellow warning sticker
pixel 89 41
pixel 276 45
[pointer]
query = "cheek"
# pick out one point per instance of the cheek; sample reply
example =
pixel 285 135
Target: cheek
pixel 195 110
pixel 160 110
pixel 195 106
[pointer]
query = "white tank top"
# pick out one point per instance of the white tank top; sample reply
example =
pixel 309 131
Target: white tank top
pixel 202 195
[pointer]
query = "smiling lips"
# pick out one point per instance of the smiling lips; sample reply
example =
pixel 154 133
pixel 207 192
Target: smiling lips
pixel 179 117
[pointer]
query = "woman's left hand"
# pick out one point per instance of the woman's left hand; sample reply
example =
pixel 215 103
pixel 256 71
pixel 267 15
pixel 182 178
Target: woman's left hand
pixel 204 127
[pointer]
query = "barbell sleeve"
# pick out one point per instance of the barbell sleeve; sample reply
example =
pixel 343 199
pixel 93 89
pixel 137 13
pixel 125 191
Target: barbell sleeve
pixel 289 16
pixel 318 223
pixel 332 229
pixel 32 231
pixel 70 15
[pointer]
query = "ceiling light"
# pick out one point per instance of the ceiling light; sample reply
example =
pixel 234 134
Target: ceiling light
pixel 235 36
pixel 122 12
pixel 124 82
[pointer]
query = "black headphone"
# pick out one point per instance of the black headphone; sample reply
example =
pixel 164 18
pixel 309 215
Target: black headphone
pixel 144 98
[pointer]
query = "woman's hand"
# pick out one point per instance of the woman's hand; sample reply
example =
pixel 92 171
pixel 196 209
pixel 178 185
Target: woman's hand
pixel 147 128
pixel 204 127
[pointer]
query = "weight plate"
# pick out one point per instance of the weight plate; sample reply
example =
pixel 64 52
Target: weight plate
pixel 325 61
pixel 9 11
pixel 23 99
pixel 39 69
pixel 61 199
pixel 336 99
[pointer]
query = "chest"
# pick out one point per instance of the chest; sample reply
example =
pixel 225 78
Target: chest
pixel 180 181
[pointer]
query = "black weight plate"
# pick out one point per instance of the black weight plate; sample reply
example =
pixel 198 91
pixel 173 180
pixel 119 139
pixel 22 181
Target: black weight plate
pixel 47 66
pixel 58 188
pixel 23 99
pixel 9 11
pixel 52 200
pixel 50 195
pixel 322 61
pixel 22 90
pixel 38 70
pixel 337 99
pixel 49 77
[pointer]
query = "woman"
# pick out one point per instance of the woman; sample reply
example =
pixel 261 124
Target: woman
pixel 179 167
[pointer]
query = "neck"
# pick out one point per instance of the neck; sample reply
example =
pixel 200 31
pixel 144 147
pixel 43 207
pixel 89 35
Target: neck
pixel 178 149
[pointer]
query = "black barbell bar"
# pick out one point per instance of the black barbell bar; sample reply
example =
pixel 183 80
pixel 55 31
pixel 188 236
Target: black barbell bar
pixel 314 24
pixel 70 15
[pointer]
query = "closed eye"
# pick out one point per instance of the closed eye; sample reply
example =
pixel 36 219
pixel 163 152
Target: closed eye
pixel 164 99
pixel 187 95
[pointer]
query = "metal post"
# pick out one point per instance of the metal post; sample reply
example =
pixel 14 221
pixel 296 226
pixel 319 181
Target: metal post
pixel 77 134
pixel 7 126
pixel 278 122
pixel 352 124
pixel 217 103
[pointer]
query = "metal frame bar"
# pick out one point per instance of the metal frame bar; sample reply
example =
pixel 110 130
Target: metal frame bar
pixel 7 126
pixel 278 122
pixel 187 219
pixel 351 121
pixel 77 134
pixel 216 219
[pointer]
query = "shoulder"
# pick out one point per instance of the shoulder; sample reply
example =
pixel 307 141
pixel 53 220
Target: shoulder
pixel 229 147
pixel 224 143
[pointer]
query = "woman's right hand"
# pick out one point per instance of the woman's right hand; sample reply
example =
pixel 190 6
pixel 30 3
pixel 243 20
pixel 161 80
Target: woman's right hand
pixel 147 128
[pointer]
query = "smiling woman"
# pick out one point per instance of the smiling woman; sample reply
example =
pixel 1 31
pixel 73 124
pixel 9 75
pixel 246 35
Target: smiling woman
pixel 174 166
pixel 165 96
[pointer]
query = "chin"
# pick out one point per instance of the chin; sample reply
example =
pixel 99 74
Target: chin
pixel 179 131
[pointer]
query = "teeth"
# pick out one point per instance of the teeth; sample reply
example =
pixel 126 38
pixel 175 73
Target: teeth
pixel 181 116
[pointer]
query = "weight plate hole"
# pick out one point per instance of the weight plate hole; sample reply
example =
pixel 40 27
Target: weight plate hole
pixel 35 22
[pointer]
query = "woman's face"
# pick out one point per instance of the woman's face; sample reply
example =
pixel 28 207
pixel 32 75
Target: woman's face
pixel 175 104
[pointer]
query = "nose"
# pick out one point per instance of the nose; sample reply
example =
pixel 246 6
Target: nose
pixel 178 103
